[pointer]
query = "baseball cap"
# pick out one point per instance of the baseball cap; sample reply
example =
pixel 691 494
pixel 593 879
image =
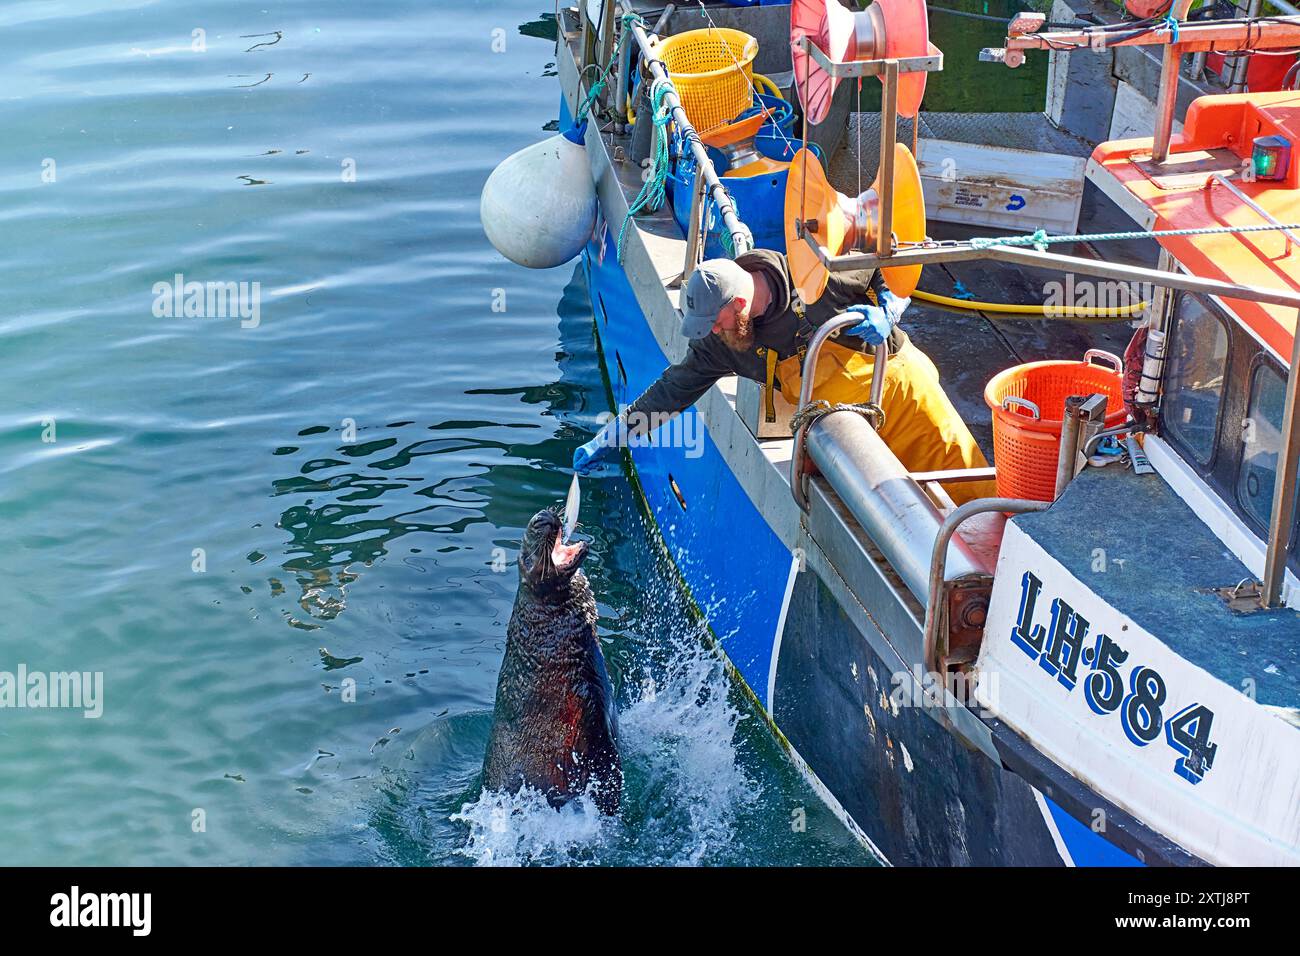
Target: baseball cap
pixel 713 284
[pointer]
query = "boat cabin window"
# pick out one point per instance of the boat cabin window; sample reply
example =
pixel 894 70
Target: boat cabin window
pixel 1262 438
pixel 1196 367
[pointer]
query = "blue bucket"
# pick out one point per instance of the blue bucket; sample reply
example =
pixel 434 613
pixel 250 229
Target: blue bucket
pixel 760 200
pixel 779 108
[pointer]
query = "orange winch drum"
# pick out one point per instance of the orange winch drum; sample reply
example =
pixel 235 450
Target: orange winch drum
pixel 1025 447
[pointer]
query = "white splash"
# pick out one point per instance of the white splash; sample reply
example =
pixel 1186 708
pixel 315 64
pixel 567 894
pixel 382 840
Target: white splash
pixel 681 733
pixel 523 829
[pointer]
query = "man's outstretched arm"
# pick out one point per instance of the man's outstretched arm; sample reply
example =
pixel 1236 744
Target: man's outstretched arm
pixel 677 389
pixel 681 385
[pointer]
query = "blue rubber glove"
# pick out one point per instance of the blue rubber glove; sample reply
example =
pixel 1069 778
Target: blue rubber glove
pixel 878 320
pixel 587 457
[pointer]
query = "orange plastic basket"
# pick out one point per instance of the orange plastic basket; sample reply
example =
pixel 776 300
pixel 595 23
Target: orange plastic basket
pixel 712 70
pixel 1028 403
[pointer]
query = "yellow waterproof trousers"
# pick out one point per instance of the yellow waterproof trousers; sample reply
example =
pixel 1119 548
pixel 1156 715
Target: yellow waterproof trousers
pixel 921 426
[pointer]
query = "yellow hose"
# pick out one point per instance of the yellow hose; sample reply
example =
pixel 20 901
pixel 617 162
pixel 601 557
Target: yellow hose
pixel 631 116
pixel 1065 311
pixel 769 85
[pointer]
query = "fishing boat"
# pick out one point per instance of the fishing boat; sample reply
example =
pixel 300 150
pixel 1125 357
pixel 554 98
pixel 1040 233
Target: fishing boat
pixel 1095 665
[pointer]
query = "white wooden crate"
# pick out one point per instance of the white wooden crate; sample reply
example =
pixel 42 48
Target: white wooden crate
pixel 1000 187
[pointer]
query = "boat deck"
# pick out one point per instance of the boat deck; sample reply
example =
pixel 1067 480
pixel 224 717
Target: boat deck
pixel 1163 590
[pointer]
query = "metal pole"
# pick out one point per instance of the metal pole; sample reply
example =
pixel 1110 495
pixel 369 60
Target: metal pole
pixel 1167 98
pixel 587 43
pixel 696 229
pixel 1069 449
pixel 1107 270
pixel 888 136
pixel 622 88
pixel 604 43
pixel 742 239
pixel 878 375
pixel 1284 491
pixel 1238 65
pixel 1092 419
pixel 663 19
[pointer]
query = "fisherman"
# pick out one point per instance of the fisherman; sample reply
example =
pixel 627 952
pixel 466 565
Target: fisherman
pixel 744 317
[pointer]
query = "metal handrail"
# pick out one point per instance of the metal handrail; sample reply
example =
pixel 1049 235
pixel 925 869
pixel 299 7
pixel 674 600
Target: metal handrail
pixel 825 331
pixel 742 240
pixel 1264 213
pixel 1052 261
pixel 939 563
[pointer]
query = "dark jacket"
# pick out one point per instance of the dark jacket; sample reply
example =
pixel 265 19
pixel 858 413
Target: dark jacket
pixel 779 328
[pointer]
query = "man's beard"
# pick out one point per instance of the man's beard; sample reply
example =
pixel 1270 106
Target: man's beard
pixel 741 339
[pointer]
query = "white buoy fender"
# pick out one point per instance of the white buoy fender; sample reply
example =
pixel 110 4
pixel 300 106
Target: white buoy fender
pixel 539 205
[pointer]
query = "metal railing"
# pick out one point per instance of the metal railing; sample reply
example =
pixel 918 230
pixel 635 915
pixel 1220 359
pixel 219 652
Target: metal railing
pixel 824 333
pixel 935 652
pixel 742 239
pixel 1263 213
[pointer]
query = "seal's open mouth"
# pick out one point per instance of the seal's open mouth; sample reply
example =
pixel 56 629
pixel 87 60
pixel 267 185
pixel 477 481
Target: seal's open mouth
pixel 545 556
pixel 563 555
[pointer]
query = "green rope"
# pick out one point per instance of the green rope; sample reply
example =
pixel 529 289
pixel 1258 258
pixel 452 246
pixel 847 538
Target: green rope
pixel 1040 240
pixel 653 192
pixel 724 234
pixel 593 94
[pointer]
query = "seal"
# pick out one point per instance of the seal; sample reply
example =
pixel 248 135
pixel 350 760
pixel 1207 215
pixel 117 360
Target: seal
pixel 555 726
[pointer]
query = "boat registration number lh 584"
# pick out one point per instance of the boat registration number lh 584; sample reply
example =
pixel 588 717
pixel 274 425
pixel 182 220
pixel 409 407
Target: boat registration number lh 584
pixel 1112 684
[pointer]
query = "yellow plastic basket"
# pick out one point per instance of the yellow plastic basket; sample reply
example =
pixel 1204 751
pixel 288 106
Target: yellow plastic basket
pixel 712 70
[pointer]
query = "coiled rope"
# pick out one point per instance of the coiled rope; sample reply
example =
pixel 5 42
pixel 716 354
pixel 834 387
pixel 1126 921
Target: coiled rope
pixel 817 408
